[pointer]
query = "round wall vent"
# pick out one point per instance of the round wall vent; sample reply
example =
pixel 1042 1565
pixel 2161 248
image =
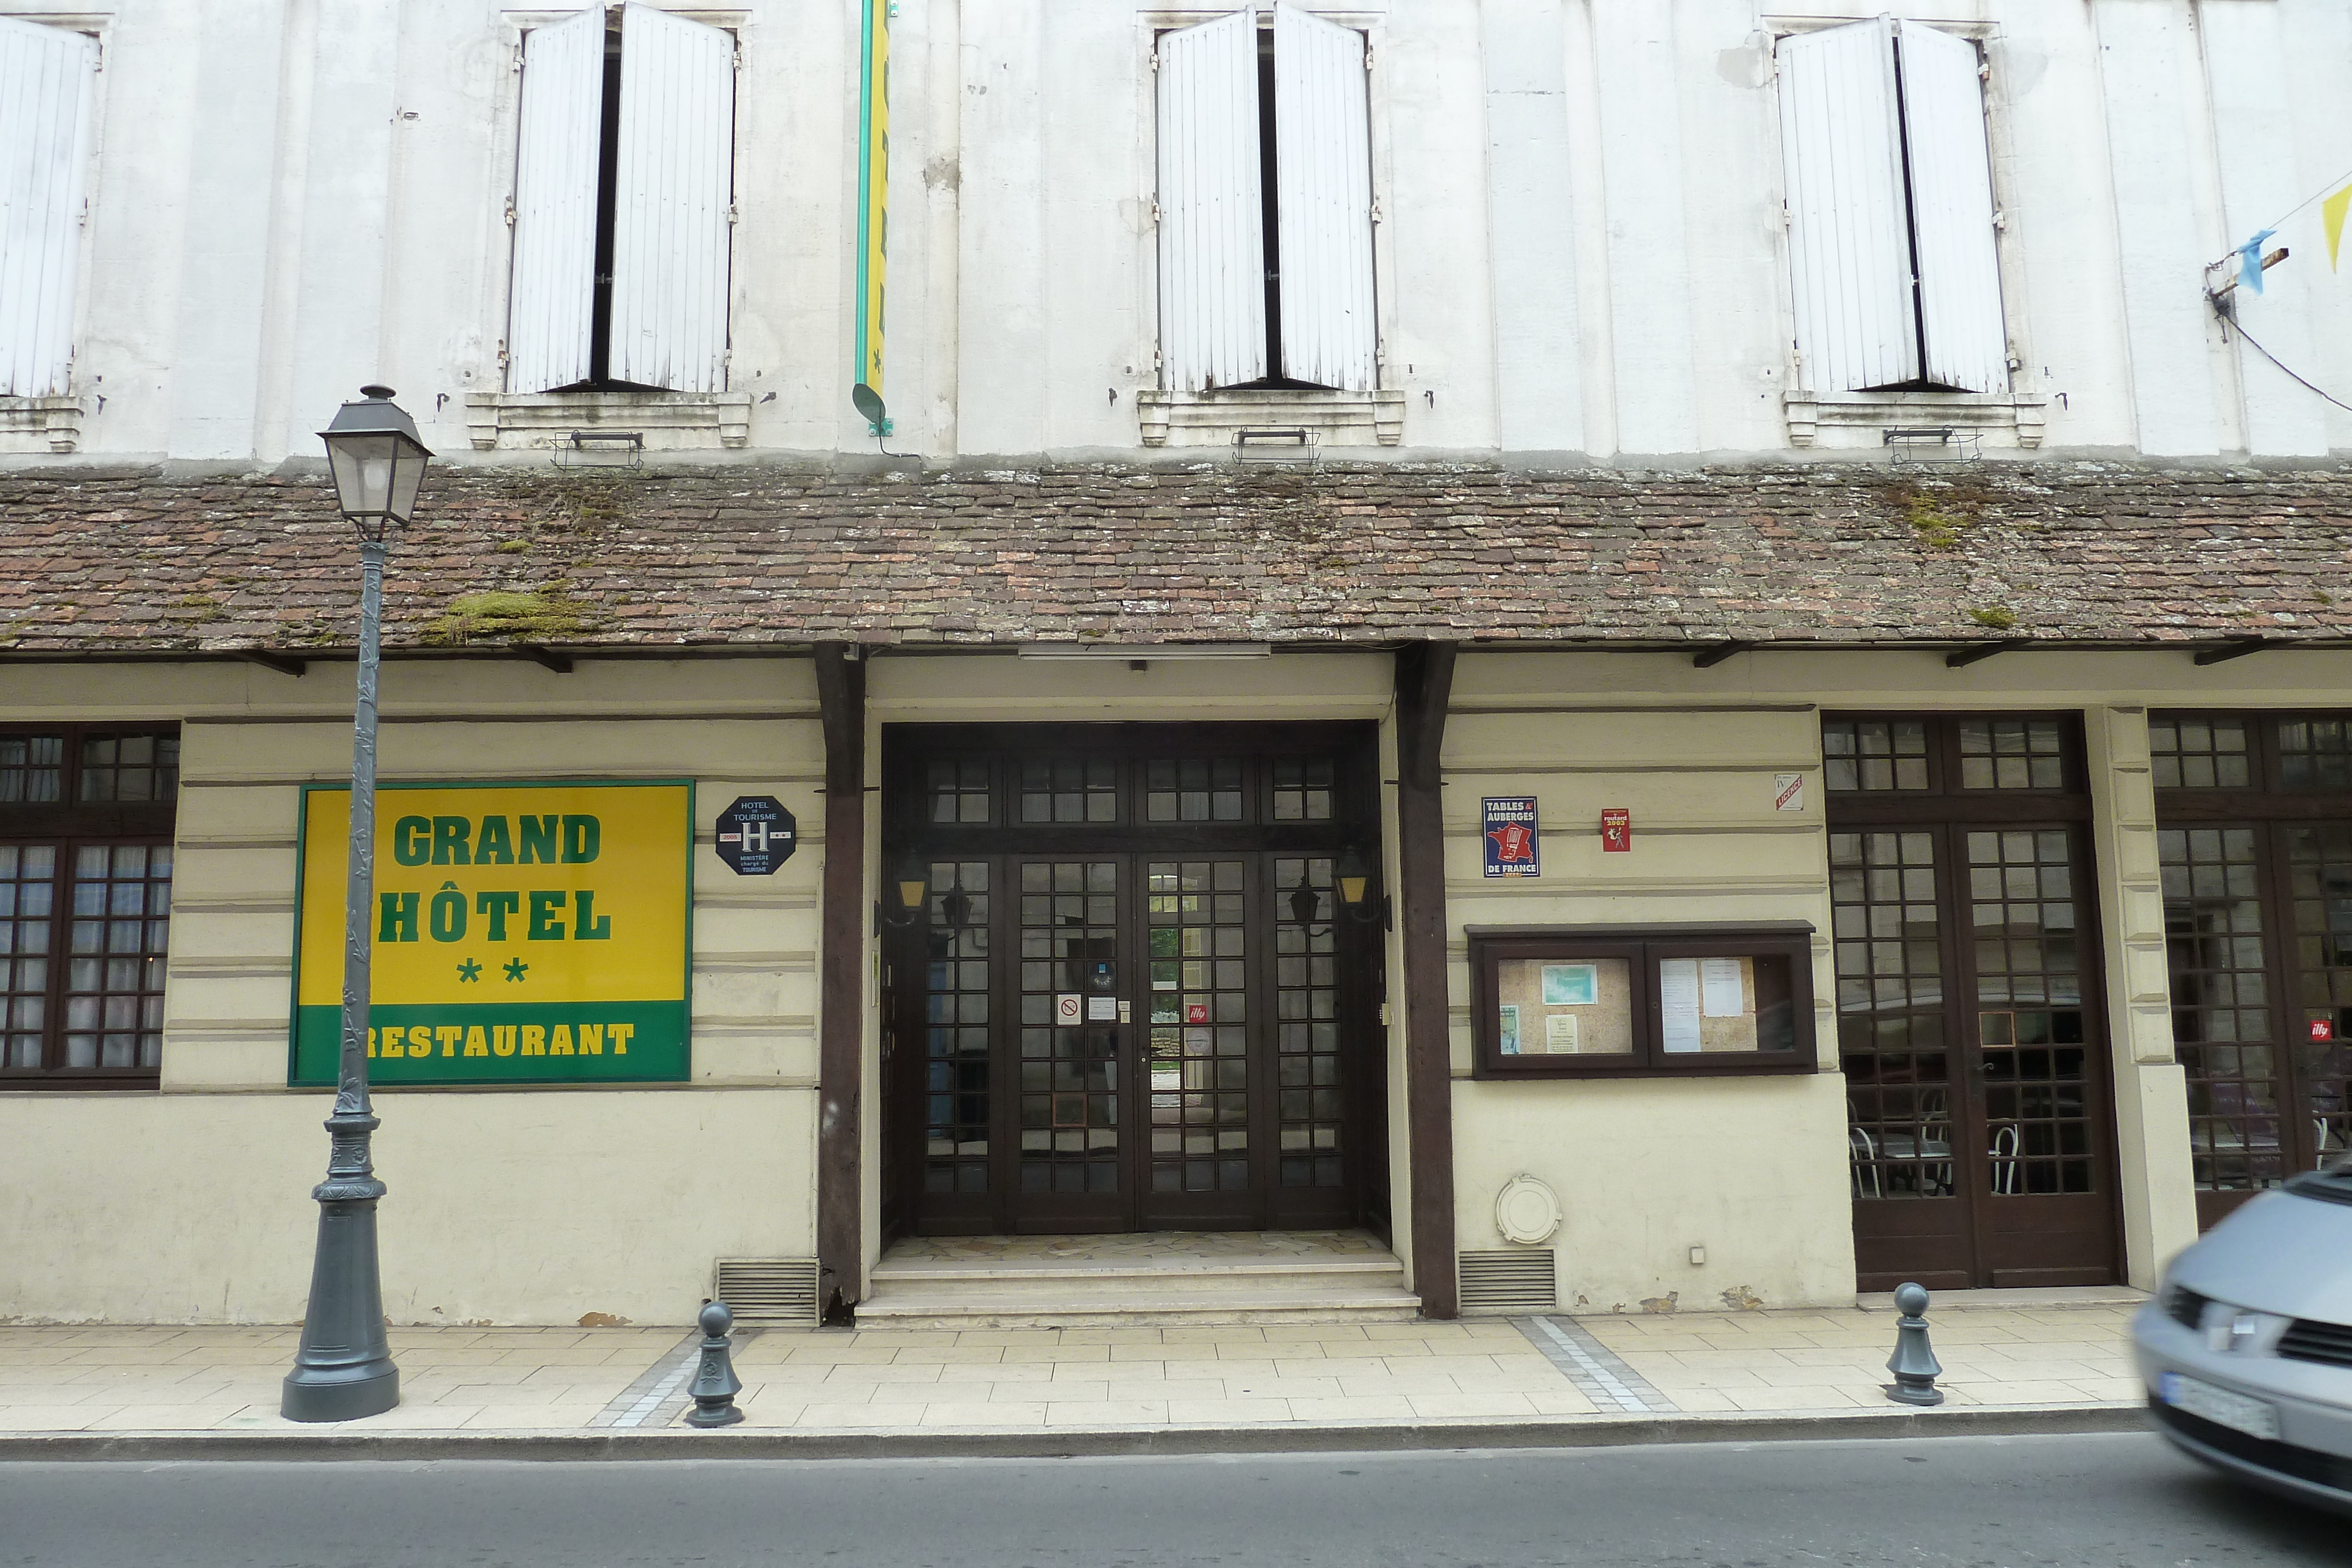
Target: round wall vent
pixel 1527 1212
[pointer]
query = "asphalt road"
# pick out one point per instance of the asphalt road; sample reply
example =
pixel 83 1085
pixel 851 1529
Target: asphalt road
pixel 2082 1501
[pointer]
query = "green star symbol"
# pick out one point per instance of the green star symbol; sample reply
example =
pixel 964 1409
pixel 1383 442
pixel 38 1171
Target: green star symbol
pixel 469 970
pixel 516 968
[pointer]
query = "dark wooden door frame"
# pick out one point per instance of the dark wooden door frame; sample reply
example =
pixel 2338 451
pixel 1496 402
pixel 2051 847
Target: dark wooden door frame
pixel 1424 687
pixel 841 703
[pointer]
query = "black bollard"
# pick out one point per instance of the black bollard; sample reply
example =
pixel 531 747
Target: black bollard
pixel 715 1382
pixel 1914 1362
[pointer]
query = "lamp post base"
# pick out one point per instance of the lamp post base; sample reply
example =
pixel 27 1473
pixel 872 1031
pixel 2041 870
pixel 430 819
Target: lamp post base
pixel 344 1369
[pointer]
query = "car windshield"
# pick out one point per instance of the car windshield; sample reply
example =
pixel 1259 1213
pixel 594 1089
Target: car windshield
pixel 2332 1185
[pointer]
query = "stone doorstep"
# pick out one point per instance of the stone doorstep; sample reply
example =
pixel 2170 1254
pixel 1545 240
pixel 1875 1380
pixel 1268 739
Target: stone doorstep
pixel 1174 1271
pixel 2020 1299
pixel 1116 1311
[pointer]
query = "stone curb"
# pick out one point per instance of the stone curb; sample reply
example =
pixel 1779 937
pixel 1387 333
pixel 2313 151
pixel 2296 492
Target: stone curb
pixel 735 1443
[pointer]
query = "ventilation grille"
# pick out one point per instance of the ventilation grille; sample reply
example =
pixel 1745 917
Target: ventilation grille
pixel 769 1291
pixel 1519 1279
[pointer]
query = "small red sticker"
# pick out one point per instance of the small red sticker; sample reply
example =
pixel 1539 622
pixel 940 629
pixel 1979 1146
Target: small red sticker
pixel 1196 1013
pixel 2323 1029
pixel 1616 829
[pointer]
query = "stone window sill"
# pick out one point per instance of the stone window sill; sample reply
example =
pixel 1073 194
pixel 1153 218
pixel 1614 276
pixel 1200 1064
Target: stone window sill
pixel 40 423
pixel 1861 419
pixel 670 421
pixel 1210 419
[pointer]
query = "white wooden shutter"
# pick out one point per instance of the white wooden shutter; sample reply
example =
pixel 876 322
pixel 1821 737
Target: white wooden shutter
pixel 1323 202
pixel 1212 216
pixel 1849 242
pixel 47 93
pixel 1952 211
pixel 552 291
pixel 672 231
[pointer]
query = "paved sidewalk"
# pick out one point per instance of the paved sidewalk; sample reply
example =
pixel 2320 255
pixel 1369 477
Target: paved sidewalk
pixel 1554 1372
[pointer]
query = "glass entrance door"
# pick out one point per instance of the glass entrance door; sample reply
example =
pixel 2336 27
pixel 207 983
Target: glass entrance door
pixel 1146 1009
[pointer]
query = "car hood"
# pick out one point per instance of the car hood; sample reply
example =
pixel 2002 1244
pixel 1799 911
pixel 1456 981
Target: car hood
pixel 2281 1253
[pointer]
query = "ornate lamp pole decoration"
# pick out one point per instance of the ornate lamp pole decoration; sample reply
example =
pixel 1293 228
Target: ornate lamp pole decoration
pixel 344 1369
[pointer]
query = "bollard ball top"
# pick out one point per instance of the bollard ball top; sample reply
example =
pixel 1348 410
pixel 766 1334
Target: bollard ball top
pixel 1911 1299
pixel 715 1320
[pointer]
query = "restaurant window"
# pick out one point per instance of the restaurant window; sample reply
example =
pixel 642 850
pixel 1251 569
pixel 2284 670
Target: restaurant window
pixel 2254 839
pixel 86 861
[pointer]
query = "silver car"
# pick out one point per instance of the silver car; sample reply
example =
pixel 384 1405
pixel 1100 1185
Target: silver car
pixel 2247 1347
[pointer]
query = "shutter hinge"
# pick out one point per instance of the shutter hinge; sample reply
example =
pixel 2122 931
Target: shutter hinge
pixel 1156 365
pixel 1376 215
pixel 1984 71
pixel 733 215
pixel 1999 221
pixel 517 66
pixel 1155 214
pixel 1788 220
pixel 510 212
pixel 502 353
pixel 1155 59
pixel 1367 54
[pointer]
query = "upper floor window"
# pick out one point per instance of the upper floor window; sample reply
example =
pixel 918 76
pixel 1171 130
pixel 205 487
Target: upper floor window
pixel 1266 205
pixel 1893 265
pixel 48 91
pixel 624 204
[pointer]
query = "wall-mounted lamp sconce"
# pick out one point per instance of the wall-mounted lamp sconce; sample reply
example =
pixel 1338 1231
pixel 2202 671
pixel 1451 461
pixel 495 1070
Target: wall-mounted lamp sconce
pixel 1354 878
pixel 913 886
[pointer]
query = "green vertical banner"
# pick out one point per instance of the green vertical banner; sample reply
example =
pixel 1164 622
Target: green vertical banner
pixel 873 190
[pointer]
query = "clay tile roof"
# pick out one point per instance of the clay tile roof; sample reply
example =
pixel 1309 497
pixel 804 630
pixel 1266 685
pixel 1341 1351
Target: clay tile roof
pixel 131 561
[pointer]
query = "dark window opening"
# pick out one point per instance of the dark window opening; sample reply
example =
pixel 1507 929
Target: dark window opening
pixel 1911 245
pixel 1269 200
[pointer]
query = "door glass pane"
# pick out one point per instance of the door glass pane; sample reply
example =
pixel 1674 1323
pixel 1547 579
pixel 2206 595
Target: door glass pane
pixel 957 789
pixel 121 900
pixel 2022 913
pixel 2319 869
pixel 1872 754
pixel 1069 1064
pixel 2315 753
pixel 27 883
pixel 1302 789
pixel 1193 790
pixel 1306 1023
pixel 2220 1002
pixel 2199 753
pixel 1069 789
pixel 955 1032
pixel 1200 1028
pixel 1882 891
pixel 130 767
pixel 2012 754
pixel 32 767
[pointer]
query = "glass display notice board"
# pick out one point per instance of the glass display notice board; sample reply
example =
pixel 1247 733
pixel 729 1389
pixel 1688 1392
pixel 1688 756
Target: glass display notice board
pixel 1644 1002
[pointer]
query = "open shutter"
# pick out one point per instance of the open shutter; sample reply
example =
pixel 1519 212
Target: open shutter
pixel 1323 180
pixel 1849 241
pixel 1952 211
pixel 551 294
pixel 1212 216
pixel 672 227
pixel 47 93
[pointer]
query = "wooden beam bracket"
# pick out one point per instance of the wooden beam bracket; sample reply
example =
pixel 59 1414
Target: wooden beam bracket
pixel 2237 650
pixel 841 981
pixel 1424 688
pixel 545 657
pixel 1976 654
pixel 269 661
pixel 1718 653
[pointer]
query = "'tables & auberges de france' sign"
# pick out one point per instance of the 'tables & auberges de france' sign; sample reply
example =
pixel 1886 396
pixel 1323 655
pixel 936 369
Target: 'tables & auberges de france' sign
pixel 523 933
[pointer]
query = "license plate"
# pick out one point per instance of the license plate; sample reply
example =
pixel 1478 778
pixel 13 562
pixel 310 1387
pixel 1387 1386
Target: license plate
pixel 2219 1406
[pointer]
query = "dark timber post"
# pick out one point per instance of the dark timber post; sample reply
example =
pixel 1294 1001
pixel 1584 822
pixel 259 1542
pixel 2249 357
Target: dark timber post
pixel 1424 683
pixel 841 979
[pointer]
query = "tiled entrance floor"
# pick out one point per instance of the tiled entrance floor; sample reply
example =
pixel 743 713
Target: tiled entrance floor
pixel 162 1379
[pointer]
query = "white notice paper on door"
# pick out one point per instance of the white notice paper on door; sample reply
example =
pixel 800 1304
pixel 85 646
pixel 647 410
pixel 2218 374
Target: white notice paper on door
pixel 1678 1000
pixel 1722 992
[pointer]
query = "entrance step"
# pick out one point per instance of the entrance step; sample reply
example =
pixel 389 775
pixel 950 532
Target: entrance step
pixel 1137 1280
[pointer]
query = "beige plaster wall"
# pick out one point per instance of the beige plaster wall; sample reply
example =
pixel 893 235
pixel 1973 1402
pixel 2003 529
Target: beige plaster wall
pixel 524 1205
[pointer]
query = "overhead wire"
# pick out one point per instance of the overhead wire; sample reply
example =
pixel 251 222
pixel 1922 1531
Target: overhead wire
pixel 2231 320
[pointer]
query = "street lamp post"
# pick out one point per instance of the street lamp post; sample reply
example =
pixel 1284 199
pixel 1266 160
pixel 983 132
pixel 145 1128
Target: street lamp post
pixel 344 1368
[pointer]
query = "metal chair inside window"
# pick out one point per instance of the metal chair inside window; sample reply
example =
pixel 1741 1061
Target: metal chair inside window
pixel 2004 1160
pixel 1863 1151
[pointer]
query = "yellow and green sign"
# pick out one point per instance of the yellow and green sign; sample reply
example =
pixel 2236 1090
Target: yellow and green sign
pixel 872 188
pixel 523 933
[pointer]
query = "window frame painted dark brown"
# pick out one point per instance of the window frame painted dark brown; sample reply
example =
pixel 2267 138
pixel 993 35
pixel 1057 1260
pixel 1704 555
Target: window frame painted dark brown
pixel 71 825
pixel 1644 947
pixel 2268 807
